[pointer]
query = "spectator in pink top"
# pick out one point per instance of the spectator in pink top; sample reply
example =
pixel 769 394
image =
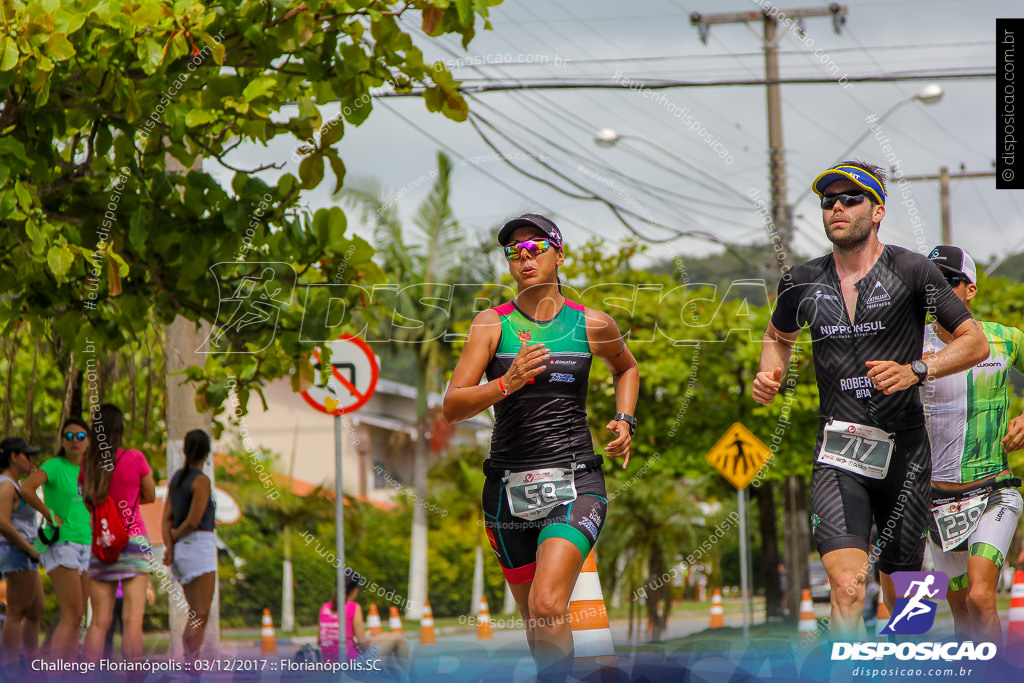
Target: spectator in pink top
pixel 124 475
pixel 389 646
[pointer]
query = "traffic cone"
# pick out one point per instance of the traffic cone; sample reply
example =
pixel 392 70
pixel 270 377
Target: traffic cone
pixel 882 616
pixel 1015 622
pixel 717 612
pixel 591 634
pixel 483 621
pixel 427 636
pixel 807 621
pixel 268 643
pixel 395 621
pixel 373 622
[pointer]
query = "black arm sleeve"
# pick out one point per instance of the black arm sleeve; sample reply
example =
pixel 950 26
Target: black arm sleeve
pixel 939 299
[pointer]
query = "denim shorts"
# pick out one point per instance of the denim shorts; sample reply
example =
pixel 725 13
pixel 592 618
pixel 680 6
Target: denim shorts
pixel 67 554
pixel 14 559
pixel 194 555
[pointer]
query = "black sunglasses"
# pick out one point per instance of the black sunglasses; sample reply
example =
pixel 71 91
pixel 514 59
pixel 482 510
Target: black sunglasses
pixel 845 198
pixel 954 280
pixel 71 436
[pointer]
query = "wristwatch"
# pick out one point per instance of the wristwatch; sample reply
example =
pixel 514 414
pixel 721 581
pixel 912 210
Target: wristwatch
pixel 920 369
pixel 628 419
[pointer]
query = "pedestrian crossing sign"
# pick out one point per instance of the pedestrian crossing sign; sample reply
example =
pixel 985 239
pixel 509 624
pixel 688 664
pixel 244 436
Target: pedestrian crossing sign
pixel 739 455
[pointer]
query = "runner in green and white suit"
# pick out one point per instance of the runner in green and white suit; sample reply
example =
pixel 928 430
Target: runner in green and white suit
pixel 975 502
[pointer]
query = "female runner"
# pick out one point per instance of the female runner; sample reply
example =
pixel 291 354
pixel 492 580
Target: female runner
pixel 544 496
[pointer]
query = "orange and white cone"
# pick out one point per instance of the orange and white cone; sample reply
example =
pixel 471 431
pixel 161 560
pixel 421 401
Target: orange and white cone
pixel 268 643
pixel 1015 621
pixel 717 611
pixel 395 621
pixel 427 636
pixel 808 623
pixel 483 621
pixel 882 616
pixel 591 633
pixel 373 622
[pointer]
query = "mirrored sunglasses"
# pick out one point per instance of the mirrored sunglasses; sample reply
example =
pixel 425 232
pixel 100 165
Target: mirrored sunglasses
pixel 534 247
pixel 71 436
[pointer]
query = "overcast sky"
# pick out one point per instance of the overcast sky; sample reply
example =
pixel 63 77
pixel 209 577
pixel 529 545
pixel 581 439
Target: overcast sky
pixel 677 177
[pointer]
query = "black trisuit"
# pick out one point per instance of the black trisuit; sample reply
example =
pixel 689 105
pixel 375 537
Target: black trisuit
pixel 889 322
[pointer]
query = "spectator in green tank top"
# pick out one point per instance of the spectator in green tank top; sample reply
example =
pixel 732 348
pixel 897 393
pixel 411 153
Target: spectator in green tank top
pixel 65 545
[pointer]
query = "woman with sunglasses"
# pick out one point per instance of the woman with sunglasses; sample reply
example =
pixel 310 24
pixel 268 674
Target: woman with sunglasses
pixel 65 546
pixel 124 475
pixel 19 561
pixel 544 497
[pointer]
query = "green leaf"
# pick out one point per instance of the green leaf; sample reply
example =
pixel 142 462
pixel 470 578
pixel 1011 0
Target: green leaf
pixel 153 55
pixel 59 47
pixel 465 11
pixel 24 198
pixel 199 117
pixel 138 232
pixel 258 87
pixel 146 16
pixel 337 222
pixel 9 60
pixel 338 166
pixel 311 171
pixel 59 258
pixel 332 131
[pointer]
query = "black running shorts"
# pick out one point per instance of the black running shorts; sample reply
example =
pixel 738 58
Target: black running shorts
pixel 515 541
pixel 843 505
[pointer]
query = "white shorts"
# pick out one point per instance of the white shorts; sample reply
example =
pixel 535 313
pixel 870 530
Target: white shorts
pixel 67 554
pixel 194 555
pixel 990 539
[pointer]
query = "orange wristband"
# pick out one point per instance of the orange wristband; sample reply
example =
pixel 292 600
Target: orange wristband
pixel 501 385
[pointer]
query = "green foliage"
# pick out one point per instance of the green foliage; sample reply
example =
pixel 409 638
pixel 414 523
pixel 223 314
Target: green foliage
pixel 102 239
pixel 698 348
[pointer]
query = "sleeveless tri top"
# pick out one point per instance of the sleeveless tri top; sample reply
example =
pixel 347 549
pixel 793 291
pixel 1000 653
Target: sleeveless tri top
pixel 544 422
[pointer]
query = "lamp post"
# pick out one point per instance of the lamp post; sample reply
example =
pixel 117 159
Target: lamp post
pixel 929 94
pixel 609 137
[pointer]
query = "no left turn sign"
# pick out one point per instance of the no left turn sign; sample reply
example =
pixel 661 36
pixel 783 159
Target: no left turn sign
pixel 353 378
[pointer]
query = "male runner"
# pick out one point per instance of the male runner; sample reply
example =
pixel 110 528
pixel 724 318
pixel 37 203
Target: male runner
pixel 975 504
pixel 865 304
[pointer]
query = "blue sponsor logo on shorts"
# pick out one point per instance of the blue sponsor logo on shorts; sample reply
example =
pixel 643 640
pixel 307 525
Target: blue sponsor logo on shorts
pixel 584 522
pixel 562 377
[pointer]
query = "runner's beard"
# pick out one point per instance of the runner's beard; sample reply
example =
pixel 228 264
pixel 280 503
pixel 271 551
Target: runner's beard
pixel 853 236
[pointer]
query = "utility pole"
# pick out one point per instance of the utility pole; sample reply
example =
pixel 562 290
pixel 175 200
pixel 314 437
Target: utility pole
pixel 782 212
pixel 943 177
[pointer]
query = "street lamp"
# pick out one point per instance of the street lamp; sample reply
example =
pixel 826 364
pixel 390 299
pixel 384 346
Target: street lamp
pixel 929 94
pixel 608 137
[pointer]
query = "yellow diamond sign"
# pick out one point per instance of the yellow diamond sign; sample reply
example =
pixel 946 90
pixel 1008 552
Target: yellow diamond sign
pixel 739 455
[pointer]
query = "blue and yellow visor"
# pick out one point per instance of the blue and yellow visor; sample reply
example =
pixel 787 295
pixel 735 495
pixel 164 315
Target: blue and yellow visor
pixel 862 178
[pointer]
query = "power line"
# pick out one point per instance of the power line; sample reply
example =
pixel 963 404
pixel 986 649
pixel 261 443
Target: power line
pixel 641 186
pixel 450 149
pixel 759 55
pixel 526 84
pixel 616 211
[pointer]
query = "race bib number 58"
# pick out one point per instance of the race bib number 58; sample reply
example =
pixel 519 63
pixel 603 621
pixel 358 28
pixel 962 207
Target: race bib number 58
pixel 533 494
pixel 856 448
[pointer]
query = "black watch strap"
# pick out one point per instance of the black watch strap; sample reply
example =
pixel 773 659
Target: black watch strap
pixel 628 419
pixel 920 368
